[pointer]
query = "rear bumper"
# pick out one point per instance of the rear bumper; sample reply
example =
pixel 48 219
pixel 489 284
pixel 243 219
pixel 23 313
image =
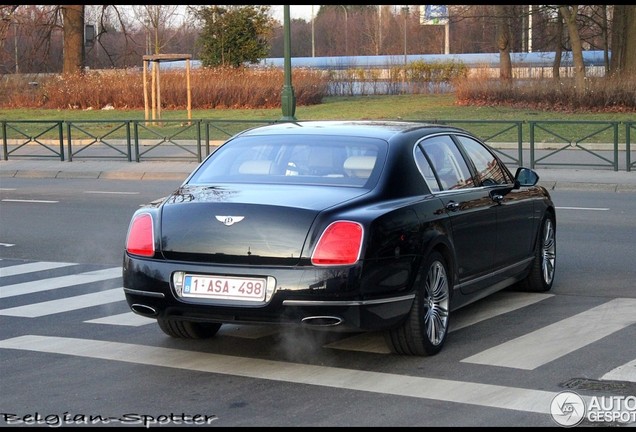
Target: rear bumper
pixel 318 297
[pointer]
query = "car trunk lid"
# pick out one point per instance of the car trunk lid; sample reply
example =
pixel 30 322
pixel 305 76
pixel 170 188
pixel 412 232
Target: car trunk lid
pixel 244 224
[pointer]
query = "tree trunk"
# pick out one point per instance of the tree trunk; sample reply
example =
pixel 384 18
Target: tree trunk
pixel 605 29
pixel 558 49
pixel 569 14
pixel 6 18
pixel 623 61
pixel 74 55
pixel 503 43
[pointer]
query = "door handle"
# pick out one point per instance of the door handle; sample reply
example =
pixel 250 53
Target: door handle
pixel 452 206
pixel 498 198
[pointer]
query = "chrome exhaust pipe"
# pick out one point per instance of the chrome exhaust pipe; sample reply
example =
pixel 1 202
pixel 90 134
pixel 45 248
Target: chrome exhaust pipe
pixel 144 310
pixel 322 321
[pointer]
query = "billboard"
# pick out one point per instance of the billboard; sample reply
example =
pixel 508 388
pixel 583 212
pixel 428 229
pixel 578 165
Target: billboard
pixel 433 15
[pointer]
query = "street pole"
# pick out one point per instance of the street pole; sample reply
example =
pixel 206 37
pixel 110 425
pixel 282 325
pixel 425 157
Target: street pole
pixel 288 101
pixel 344 8
pixel 379 45
pixel 405 11
pixel 313 37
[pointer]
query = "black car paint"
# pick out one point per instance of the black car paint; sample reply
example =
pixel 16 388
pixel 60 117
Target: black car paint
pixel 403 220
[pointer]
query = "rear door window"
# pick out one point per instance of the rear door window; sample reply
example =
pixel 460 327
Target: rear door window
pixel 450 169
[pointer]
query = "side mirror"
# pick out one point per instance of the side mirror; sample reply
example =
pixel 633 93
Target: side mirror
pixel 526 177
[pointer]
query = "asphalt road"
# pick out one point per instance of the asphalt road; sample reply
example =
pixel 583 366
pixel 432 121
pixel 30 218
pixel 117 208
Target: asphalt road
pixel 73 353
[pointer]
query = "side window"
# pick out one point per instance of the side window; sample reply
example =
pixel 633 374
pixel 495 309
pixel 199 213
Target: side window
pixel 488 168
pixel 426 170
pixel 448 164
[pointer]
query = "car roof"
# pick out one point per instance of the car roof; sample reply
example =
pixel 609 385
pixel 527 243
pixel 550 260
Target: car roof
pixel 384 129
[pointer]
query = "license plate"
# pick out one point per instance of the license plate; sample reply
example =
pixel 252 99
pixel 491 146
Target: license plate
pixel 226 288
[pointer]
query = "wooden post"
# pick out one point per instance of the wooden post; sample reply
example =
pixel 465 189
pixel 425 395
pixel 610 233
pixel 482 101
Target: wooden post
pixel 154 90
pixel 145 78
pixel 158 89
pixel 156 59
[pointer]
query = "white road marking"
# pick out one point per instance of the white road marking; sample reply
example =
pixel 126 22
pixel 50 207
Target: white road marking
pixel 563 337
pixel 129 319
pixel 113 192
pixel 59 282
pixel 30 201
pixel 526 352
pixel 626 372
pixel 248 331
pixel 583 208
pixel 7 244
pixel 67 304
pixel 363 342
pixel 31 267
pixel 496 304
pixel 485 395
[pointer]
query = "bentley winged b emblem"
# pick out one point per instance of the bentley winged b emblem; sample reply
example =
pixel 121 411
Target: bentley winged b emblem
pixel 229 220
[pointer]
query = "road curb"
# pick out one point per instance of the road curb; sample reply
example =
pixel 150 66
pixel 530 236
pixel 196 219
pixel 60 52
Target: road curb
pixel 164 173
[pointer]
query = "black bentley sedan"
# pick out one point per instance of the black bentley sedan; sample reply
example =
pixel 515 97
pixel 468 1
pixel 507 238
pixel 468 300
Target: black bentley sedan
pixel 343 226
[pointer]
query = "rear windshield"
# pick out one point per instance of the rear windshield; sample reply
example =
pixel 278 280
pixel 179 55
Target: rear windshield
pixel 298 159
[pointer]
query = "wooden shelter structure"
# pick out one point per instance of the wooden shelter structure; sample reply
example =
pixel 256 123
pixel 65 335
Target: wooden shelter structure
pixel 155 91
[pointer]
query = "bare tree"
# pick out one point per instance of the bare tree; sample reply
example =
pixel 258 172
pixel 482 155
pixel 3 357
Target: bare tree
pixel 503 42
pixel 558 48
pixel 623 59
pixel 6 16
pixel 569 13
pixel 156 19
pixel 74 54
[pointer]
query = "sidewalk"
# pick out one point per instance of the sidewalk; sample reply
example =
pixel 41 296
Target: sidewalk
pixel 553 179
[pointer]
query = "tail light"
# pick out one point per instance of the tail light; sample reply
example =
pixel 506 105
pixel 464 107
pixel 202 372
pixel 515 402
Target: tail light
pixel 339 244
pixel 140 239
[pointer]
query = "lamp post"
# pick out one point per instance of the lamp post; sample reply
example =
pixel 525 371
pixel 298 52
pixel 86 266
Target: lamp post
pixel 288 101
pixel 405 11
pixel 379 45
pixel 344 8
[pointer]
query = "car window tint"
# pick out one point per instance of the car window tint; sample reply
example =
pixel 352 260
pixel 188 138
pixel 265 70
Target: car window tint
pixel 426 170
pixel 487 166
pixel 450 167
pixel 294 160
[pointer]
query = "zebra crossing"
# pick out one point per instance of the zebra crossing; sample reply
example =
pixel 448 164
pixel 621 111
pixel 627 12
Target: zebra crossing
pixel 526 352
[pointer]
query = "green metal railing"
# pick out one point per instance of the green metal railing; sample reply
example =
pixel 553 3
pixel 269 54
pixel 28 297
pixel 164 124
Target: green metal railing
pixel 629 126
pixel 543 143
pixel 24 137
pixel 557 142
pixel 80 138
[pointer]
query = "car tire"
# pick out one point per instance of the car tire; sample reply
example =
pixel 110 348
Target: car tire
pixel 424 330
pixel 188 329
pixel 541 274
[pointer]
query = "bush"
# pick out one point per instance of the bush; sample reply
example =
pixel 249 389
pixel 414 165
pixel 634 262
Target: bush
pixel 607 94
pixel 248 88
pixel 124 89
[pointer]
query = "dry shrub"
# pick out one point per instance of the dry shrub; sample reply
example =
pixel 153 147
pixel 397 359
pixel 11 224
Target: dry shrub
pixel 250 88
pixel 124 89
pixel 94 90
pixel 17 91
pixel 607 94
